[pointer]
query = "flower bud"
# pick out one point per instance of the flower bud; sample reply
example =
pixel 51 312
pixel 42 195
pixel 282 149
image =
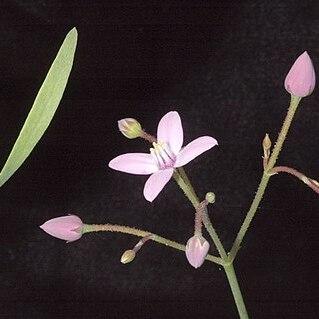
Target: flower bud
pixel 266 146
pixel 196 250
pixel 210 197
pixel 301 79
pixel 130 128
pixel 128 256
pixel 68 227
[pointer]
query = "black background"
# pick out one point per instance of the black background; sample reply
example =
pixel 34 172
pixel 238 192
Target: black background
pixel 221 65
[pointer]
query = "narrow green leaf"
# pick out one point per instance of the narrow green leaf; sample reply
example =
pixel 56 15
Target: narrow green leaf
pixel 44 107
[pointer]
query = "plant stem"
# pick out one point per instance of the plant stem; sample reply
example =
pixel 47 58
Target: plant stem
pixel 190 194
pixel 141 233
pixel 184 176
pixel 184 183
pixel 188 191
pixel 202 208
pixel 294 102
pixel 234 286
pixel 314 185
pixel 148 137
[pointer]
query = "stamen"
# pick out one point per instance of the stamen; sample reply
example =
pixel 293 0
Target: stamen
pixel 158 159
pixel 162 155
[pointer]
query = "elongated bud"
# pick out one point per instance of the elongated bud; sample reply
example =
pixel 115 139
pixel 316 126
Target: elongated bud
pixel 128 256
pixel 196 250
pixel 130 128
pixel 68 227
pixel 301 79
pixel 210 197
pixel 266 146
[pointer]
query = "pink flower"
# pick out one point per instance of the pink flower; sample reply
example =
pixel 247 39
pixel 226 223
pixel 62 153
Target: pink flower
pixel 196 250
pixel 165 155
pixel 65 227
pixel 301 79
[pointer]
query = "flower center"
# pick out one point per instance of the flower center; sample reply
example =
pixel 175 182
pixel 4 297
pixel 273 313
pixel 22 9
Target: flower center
pixel 163 156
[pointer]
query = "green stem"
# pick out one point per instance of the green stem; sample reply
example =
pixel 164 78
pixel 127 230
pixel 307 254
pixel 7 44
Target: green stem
pixel 184 183
pixel 265 178
pixel 189 192
pixel 184 176
pixel 211 230
pixel 141 233
pixel 234 286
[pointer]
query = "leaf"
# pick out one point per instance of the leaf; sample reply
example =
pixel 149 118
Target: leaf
pixel 43 108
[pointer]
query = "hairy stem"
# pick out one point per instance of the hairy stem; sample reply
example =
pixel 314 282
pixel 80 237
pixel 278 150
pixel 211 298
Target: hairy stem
pixel 202 208
pixel 232 279
pixel 141 233
pixel 313 184
pixel 265 178
pixel 188 191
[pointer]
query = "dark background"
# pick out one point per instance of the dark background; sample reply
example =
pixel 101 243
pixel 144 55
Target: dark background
pixel 221 65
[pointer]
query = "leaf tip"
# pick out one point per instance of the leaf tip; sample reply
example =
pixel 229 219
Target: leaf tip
pixel 73 32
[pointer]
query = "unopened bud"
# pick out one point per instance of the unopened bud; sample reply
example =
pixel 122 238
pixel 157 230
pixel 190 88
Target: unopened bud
pixel 301 79
pixel 130 128
pixel 68 228
pixel 266 146
pixel 128 256
pixel 210 197
pixel 196 250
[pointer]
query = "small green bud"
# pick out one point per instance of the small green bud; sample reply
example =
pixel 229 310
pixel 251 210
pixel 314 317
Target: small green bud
pixel 266 146
pixel 210 197
pixel 128 256
pixel 130 128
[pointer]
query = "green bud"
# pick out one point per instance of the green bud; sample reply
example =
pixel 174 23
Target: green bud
pixel 128 256
pixel 130 128
pixel 266 146
pixel 210 197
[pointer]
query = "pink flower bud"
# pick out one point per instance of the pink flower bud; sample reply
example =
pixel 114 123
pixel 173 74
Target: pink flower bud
pixel 68 227
pixel 130 128
pixel 301 79
pixel 196 250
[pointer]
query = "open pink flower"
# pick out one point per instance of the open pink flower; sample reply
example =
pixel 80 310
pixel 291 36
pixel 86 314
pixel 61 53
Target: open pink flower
pixel 64 227
pixel 165 155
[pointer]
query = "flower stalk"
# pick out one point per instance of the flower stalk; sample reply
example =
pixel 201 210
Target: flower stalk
pixel 313 184
pixel 233 282
pixel 201 208
pixel 294 102
pixel 141 233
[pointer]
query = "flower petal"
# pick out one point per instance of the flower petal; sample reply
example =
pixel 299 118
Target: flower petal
pixel 170 131
pixel 301 79
pixel 156 183
pixel 196 250
pixel 64 227
pixel 193 149
pixel 134 163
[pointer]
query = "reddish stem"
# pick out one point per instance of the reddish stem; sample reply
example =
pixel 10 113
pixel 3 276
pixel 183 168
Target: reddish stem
pixel 308 181
pixel 148 137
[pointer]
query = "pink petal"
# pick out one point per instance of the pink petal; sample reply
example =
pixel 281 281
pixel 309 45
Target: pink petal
pixel 193 149
pixel 196 250
pixel 64 227
pixel 134 163
pixel 170 131
pixel 301 79
pixel 156 183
